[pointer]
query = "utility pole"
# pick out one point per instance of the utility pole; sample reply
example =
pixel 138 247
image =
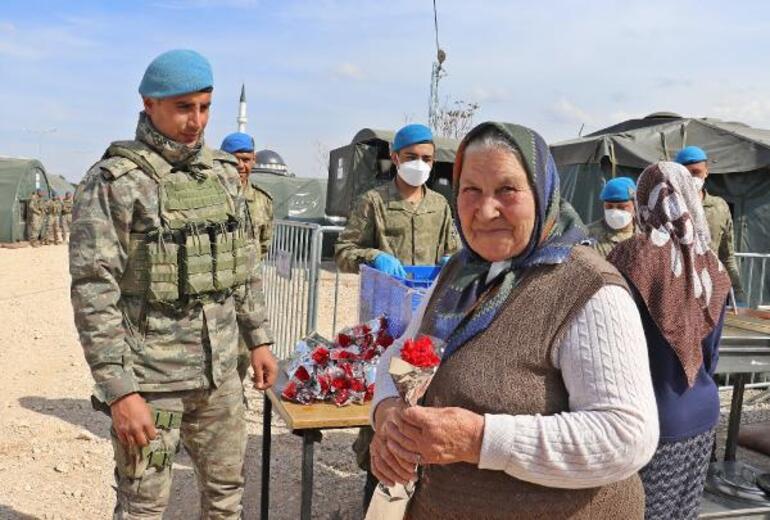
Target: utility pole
pixel 437 73
pixel 242 119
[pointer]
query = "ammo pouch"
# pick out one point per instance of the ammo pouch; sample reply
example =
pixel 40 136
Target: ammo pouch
pixel 187 263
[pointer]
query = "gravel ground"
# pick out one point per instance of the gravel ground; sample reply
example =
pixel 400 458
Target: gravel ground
pixel 55 454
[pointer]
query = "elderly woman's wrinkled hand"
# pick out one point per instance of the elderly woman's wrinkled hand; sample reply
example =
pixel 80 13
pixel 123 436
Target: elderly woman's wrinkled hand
pixel 394 457
pixel 444 435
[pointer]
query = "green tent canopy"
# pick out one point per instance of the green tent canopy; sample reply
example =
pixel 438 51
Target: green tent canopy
pixel 739 163
pixel 365 163
pixel 18 179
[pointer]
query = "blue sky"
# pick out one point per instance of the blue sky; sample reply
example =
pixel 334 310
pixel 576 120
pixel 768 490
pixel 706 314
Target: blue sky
pixel 317 71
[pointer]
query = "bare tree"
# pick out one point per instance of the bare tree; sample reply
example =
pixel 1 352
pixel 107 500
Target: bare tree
pixel 454 119
pixel 321 153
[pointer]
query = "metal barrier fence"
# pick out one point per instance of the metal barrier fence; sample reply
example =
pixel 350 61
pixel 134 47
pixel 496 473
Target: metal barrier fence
pixel 755 273
pixel 290 280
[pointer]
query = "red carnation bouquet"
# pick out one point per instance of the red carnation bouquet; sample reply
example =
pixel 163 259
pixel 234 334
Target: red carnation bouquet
pixel 342 371
pixel 413 370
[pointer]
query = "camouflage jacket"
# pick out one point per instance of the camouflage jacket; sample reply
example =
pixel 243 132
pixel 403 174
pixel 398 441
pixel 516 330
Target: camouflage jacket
pixel 604 238
pixel 130 344
pixel 54 207
pixel 36 207
pixel 260 206
pixel 720 223
pixel 384 222
pixel 66 208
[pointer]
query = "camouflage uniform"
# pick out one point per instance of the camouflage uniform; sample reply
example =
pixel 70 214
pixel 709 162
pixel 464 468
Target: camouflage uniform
pixel 384 222
pixel 66 218
pixel 417 235
pixel 605 238
pixel 260 206
pixel 178 351
pixel 720 223
pixel 54 211
pixel 35 216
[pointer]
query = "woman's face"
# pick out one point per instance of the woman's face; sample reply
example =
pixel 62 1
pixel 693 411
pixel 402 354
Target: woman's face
pixel 495 204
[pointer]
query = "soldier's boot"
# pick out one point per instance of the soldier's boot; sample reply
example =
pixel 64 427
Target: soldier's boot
pixel 214 434
pixel 143 475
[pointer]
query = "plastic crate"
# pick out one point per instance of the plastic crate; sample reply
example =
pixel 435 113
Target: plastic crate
pixel 420 276
pixel 396 298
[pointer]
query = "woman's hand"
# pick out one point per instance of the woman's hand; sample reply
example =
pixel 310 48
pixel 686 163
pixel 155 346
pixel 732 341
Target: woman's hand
pixel 444 435
pixel 394 457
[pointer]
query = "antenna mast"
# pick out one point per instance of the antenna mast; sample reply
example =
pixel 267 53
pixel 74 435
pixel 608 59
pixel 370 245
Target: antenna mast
pixel 437 73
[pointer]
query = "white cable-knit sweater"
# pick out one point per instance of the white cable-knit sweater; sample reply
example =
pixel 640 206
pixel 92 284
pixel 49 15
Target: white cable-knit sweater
pixel 611 429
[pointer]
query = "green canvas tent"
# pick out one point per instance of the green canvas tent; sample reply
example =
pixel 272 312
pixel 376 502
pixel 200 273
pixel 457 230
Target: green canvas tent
pixel 60 185
pixel 365 163
pixel 739 163
pixel 295 198
pixel 18 179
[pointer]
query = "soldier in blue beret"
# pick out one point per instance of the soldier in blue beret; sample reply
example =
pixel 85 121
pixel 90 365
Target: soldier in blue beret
pixel 618 222
pixel 162 289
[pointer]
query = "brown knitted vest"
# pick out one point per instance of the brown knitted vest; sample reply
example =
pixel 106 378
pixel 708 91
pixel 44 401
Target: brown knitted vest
pixel 507 369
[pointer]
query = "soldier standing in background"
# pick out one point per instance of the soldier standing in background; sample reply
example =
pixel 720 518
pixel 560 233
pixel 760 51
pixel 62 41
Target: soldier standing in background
pixel 718 216
pixel 54 212
pixel 260 208
pixel 618 223
pixel 399 223
pixel 35 217
pixel 161 290
pixel 402 222
pixel 66 216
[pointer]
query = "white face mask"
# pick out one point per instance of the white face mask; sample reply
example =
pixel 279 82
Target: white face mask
pixel 698 183
pixel 414 173
pixel 617 218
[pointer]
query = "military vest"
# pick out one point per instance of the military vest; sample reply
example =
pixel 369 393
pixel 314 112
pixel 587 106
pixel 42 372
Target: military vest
pixel 200 250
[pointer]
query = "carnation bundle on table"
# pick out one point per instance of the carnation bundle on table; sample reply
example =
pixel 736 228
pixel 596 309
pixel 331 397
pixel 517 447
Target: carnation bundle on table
pixel 341 371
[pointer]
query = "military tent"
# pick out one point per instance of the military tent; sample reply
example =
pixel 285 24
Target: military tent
pixel 365 163
pixel 294 198
pixel 739 163
pixel 18 179
pixel 60 185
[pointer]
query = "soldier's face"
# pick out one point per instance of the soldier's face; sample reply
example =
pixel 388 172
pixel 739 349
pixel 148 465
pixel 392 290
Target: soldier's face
pixel 625 206
pixel 700 170
pixel 422 151
pixel 495 204
pixel 180 118
pixel 245 164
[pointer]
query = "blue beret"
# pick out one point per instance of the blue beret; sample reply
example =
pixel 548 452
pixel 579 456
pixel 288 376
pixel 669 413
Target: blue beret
pixel 238 142
pixel 619 189
pixel 691 155
pixel 411 134
pixel 176 72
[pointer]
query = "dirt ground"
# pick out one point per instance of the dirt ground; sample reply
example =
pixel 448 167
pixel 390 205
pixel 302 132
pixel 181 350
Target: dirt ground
pixel 55 454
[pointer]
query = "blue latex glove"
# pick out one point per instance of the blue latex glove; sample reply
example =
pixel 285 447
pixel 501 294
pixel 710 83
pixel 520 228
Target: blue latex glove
pixel 389 264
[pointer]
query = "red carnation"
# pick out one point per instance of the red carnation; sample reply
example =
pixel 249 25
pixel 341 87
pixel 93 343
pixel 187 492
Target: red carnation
pixel 290 391
pixel 341 399
pixel 325 383
pixel 301 374
pixel 340 383
pixel 320 356
pixel 369 392
pixel 357 385
pixel 384 339
pixel 420 353
pixel 343 340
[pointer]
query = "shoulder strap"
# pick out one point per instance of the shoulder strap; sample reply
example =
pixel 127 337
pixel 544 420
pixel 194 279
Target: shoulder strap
pixel 219 155
pixel 263 192
pixel 140 156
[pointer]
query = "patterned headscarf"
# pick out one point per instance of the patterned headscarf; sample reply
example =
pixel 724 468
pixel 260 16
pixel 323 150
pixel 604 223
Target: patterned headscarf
pixel 682 282
pixel 469 302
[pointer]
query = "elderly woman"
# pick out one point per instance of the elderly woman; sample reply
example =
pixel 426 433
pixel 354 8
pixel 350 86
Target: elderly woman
pixel 543 405
pixel 681 292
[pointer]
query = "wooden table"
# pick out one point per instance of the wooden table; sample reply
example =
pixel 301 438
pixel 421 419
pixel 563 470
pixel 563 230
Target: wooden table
pixel 306 421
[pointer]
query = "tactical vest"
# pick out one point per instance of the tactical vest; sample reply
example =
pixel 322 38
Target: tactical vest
pixel 200 250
